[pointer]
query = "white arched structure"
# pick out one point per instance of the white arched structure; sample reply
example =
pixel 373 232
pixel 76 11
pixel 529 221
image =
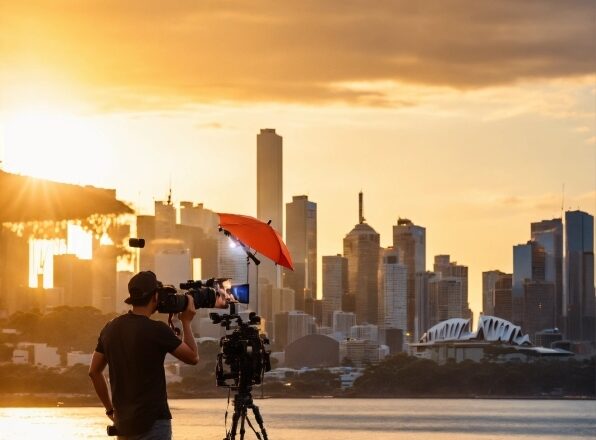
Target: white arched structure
pixel 490 329
pixel 493 329
pixel 455 329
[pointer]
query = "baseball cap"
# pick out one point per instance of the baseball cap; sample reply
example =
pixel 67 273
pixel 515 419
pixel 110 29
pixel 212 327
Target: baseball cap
pixel 141 285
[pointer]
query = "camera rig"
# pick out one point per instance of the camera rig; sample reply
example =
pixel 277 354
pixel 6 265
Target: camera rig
pixel 244 356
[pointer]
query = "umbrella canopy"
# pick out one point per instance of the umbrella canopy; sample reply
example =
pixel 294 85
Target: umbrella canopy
pixel 257 235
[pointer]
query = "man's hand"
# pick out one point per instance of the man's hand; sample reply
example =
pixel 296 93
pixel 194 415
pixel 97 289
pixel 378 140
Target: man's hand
pixel 190 311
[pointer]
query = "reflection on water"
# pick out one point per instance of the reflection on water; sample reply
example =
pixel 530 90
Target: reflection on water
pixel 335 419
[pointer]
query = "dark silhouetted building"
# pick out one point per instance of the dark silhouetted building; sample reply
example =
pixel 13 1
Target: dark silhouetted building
pixel 549 235
pixel 447 269
pixel 539 307
pixel 394 339
pixel 312 351
pixel 545 338
pixel 489 279
pixel 579 276
pixel 503 297
pixel 74 276
pixel 528 265
pixel 104 284
pixel 423 312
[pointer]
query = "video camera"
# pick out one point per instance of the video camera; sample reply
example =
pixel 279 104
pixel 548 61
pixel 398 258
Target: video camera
pixel 203 293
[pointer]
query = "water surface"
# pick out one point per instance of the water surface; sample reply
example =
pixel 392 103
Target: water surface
pixel 335 419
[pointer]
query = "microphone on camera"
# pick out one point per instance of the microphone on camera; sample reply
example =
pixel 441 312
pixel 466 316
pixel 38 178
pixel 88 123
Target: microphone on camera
pixel 136 242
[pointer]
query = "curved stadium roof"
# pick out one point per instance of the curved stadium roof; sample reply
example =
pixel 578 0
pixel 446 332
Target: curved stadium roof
pixel 490 329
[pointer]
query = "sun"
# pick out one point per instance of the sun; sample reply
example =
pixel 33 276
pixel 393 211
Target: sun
pixel 53 144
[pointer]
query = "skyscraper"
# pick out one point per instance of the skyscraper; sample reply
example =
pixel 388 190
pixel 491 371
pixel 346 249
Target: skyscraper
pixel 528 265
pixel 362 249
pixel 409 241
pixel 539 307
pixel 422 316
pixel 335 285
pixel 165 220
pixel 270 192
pixel 579 275
pixel 393 304
pixel 489 279
pixel 502 297
pixel 549 234
pixel 301 238
pixel 445 296
pixel 448 269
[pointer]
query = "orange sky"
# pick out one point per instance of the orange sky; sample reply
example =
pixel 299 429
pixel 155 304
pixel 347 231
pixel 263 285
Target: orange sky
pixel 468 119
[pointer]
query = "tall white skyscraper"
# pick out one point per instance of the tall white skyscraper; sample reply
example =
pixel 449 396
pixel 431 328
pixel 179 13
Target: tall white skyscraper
pixel 393 303
pixel 270 192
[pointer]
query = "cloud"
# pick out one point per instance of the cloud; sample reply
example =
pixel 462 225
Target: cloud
pixel 149 53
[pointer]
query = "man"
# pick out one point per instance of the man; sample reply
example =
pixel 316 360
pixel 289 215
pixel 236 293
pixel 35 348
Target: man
pixel 134 346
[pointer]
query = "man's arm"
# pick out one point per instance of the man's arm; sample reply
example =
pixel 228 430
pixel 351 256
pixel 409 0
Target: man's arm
pixel 187 351
pixel 98 364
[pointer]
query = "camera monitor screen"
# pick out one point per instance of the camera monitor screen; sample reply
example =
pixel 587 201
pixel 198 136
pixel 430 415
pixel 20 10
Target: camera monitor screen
pixel 241 293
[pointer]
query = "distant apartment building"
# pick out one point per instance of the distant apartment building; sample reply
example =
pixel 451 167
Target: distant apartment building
pixel 335 285
pixel 343 322
pixel 539 307
pixel 422 318
pixel 489 279
pixel 448 269
pixel 73 275
pixel 290 326
pixel 503 302
pixel 446 299
pixel 361 352
pixel 368 332
pixel 528 265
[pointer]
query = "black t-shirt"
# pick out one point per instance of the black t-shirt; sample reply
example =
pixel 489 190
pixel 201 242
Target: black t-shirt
pixel 135 347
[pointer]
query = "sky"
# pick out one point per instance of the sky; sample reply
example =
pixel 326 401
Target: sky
pixel 470 118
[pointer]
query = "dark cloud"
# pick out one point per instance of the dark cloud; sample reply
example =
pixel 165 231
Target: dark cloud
pixel 155 53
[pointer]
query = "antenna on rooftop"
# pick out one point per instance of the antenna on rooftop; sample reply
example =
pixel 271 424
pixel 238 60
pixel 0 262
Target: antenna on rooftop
pixel 361 218
pixel 563 200
pixel 170 192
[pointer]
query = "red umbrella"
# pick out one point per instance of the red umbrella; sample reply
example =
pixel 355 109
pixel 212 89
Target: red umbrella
pixel 257 235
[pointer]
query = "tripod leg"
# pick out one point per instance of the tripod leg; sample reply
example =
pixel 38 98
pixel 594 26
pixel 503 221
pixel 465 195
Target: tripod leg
pixel 259 419
pixel 242 420
pixel 232 433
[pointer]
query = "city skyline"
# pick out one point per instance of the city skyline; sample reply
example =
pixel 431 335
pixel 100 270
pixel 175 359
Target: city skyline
pixel 472 138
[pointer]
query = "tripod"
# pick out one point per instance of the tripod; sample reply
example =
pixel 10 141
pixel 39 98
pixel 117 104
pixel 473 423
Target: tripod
pixel 242 403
